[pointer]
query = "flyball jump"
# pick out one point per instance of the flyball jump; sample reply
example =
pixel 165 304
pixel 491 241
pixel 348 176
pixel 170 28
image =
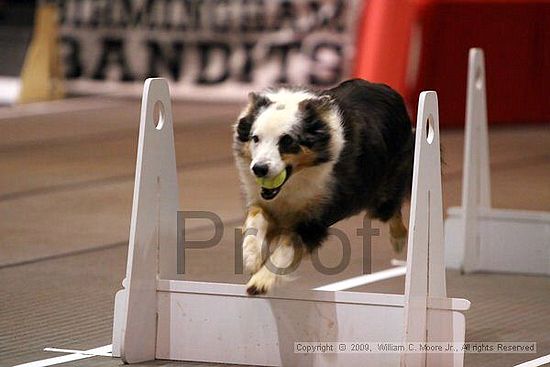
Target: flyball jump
pixel 157 317
pixel 479 238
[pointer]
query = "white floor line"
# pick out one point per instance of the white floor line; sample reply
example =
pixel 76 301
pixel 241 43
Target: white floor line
pixel 69 358
pixel 535 362
pixel 364 279
pixel 85 352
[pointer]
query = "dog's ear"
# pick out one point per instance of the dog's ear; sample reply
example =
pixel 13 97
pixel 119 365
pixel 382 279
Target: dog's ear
pixel 244 125
pixel 256 100
pixel 315 133
pixel 318 104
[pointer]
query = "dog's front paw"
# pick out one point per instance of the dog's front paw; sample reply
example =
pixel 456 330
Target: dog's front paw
pixel 261 282
pixel 252 257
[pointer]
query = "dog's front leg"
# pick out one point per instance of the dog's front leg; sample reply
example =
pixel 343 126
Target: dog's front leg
pixel 255 231
pixel 282 261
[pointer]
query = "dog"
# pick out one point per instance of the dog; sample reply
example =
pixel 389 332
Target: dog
pixel 308 159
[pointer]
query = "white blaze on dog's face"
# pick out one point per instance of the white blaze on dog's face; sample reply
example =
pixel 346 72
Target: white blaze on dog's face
pixel 283 132
pixel 280 119
pixel 264 146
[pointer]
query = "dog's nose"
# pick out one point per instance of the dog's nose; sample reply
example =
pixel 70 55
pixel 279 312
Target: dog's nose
pixel 260 170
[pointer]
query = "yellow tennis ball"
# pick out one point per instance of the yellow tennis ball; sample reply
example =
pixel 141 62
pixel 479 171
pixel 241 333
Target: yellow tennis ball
pixel 272 183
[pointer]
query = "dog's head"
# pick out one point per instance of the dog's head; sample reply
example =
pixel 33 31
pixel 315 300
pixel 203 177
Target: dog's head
pixel 286 130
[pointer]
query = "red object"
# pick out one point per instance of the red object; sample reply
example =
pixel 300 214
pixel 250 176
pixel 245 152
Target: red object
pixel 514 34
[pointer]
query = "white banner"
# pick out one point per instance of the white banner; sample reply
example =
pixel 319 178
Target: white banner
pixel 209 49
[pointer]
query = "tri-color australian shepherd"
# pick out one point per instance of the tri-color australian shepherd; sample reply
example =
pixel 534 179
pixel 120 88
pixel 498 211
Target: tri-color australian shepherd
pixel 308 159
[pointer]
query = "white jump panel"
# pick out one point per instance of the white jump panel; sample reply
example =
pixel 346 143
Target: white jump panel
pixel 220 323
pixel 157 317
pixel 508 241
pixel 477 237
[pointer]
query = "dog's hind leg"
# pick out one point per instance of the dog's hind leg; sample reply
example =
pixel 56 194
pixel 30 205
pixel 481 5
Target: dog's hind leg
pixel 283 260
pixel 255 232
pixel 398 232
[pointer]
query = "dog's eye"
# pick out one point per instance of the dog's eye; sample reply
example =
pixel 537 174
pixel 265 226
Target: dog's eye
pixel 287 144
pixel 255 138
pixel 286 140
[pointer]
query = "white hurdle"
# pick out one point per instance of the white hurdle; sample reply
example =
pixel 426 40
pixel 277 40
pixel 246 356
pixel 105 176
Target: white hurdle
pixel 158 317
pixel 478 237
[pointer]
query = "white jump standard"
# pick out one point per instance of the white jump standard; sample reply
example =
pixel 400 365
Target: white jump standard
pixel 478 237
pixel 157 317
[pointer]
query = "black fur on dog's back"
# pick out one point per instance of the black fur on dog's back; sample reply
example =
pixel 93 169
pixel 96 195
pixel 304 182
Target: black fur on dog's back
pixel 374 169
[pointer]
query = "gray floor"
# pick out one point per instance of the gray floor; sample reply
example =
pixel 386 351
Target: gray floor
pixel 66 184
